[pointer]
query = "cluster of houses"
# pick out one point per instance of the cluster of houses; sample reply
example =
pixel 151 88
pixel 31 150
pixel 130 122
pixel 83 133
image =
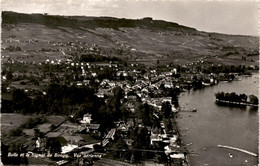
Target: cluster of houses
pixel 141 90
pixel 157 135
pixel 147 87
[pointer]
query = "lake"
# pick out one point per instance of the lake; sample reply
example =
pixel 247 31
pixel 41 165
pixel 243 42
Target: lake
pixel 216 125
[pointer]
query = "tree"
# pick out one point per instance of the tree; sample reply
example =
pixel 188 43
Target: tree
pixel 13 48
pixel 118 92
pixel 196 83
pixel 166 109
pixel 16 132
pixel 145 112
pixel 52 127
pixel 228 97
pixel 168 125
pixel 9 75
pixel 55 146
pixel 141 141
pixel 220 96
pixel 120 146
pixel 234 97
pixel 21 100
pixel 125 113
pixel 253 99
pixel 243 97
pixel 36 132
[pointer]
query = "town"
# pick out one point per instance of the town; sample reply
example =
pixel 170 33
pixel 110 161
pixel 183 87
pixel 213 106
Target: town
pixel 97 106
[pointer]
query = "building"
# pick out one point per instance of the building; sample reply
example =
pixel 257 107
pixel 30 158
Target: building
pixel 93 128
pixel 86 119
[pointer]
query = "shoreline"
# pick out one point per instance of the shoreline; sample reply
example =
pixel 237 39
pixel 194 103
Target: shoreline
pixel 188 160
pixel 182 145
pixel 235 103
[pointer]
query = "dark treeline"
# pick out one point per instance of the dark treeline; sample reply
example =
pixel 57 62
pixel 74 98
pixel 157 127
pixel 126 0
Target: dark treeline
pixel 13 48
pixel 227 69
pixel 67 101
pixel 91 23
pixel 233 97
pixel 96 58
pixel 59 100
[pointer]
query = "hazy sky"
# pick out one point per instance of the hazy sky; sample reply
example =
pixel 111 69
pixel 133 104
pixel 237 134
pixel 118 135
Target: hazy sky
pixel 232 17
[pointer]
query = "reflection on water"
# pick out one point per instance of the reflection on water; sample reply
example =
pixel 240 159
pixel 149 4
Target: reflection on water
pixel 213 124
pixel 253 109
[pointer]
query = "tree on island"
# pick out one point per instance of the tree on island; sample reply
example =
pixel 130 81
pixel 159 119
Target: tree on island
pixel 233 97
pixel 243 97
pixel 253 99
pixel 220 96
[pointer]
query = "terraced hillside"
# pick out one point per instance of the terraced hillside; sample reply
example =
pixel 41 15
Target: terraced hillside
pixel 42 37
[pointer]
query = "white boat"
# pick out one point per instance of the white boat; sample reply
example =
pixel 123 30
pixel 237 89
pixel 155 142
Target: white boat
pixel 230 155
pixel 194 110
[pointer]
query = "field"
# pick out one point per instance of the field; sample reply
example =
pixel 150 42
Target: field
pixel 55 120
pixel 23 84
pixel 6 96
pixel 44 127
pixel 138 45
pixel 12 121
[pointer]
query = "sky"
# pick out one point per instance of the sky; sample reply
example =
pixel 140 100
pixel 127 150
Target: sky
pixel 226 16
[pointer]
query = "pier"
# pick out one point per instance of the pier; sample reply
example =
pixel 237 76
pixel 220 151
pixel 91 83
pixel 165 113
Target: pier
pixel 238 149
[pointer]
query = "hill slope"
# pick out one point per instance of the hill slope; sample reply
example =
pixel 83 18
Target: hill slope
pixel 144 40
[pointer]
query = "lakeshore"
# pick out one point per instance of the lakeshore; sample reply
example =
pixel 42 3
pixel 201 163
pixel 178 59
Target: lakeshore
pixel 226 122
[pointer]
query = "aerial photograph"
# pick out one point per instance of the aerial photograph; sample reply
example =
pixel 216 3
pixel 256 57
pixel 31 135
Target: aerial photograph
pixel 129 83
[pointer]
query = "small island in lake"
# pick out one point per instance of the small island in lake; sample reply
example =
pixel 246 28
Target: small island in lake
pixel 235 99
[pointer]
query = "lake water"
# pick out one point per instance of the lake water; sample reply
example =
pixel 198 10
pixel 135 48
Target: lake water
pixel 213 125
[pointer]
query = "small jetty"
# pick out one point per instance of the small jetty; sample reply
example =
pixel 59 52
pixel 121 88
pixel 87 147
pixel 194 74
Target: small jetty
pixel 238 149
pixel 190 110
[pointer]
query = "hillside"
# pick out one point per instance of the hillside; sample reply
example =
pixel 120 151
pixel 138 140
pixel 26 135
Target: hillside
pixel 42 37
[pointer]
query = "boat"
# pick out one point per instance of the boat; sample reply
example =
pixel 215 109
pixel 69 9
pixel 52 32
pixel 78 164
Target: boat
pixel 230 155
pixel 237 78
pixel 194 110
pixel 189 144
